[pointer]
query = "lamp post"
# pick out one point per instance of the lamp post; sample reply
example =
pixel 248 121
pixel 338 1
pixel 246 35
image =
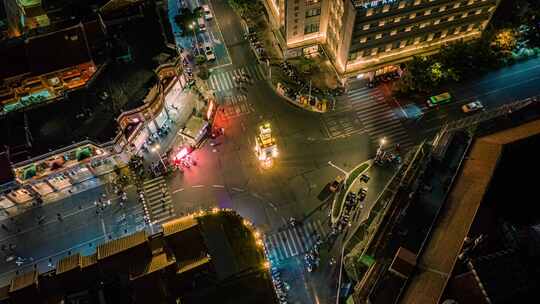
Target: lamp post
pixel 155 149
pixel 192 27
pixel 379 150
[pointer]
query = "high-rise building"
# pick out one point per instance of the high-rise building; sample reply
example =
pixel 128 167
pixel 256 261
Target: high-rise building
pixel 361 36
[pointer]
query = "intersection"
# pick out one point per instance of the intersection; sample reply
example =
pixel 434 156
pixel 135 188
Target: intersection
pixel 228 175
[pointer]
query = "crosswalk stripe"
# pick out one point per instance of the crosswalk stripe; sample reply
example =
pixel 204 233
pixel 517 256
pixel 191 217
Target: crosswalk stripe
pixel 301 245
pixel 281 247
pixel 260 72
pixel 252 70
pixel 382 125
pixel 382 129
pixel 321 231
pixel 211 83
pixel 309 232
pixel 217 82
pixel 359 95
pixel 295 252
pixel 227 82
pixel 358 90
pixel 376 133
pixel 375 113
pixel 379 117
pixel 285 240
pixel 278 249
pixel 370 105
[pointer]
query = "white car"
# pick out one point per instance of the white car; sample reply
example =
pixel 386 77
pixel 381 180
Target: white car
pixel 207 12
pixel 209 53
pixel 472 107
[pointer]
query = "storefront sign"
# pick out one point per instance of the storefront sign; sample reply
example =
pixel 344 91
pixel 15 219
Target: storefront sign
pixel 376 3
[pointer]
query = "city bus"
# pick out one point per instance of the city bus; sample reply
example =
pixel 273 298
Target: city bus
pixel 440 99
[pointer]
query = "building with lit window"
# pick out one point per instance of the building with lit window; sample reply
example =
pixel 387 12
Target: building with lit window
pixel 361 36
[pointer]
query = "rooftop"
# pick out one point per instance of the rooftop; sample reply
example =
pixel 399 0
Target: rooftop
pixel 463 202
pixel 161 276
pixel 84 114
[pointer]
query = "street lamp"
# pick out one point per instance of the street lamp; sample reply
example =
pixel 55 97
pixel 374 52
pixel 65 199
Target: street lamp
pixel 379 150
pixel 155 149
pixel 192 27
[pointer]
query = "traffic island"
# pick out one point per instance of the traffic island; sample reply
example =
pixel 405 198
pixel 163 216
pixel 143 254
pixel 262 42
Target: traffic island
pixel 351 183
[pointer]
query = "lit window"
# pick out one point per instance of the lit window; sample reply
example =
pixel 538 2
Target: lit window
pixel 369 12
pixel 386 8
pixel 397 19
pixel 451 18
pixel 428 12
pixel 401 4
pixel 408 29
pixel 381 23
pixel 456 5
pixel 365 27
pixel 311 28
pixel 378 36
pixel 393 32
pixel 313 12
pixel 363 40
pixel 412 16
pixel 416 2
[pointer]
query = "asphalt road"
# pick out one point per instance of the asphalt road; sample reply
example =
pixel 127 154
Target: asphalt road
pixel 79 230
pixel 494 89
pixel 229 175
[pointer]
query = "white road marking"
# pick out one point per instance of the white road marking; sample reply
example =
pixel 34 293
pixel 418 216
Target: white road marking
pixel 197 186
pixel 218 186
pixel 178 190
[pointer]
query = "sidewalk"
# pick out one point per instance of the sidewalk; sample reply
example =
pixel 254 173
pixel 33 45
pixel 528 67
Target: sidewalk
pixel 185 105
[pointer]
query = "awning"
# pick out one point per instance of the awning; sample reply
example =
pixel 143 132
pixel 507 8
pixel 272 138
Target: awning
pixel 83 153
pixel 29 172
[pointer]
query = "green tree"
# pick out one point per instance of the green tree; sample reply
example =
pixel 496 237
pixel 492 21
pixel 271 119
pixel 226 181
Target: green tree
pixel 307 65
pixel 246 8
pixel 187 18
pixel 200 59
pixel 203 72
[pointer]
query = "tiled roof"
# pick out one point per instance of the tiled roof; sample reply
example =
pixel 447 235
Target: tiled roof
pixel 24 280
pixel 178 225
pixel 45 53
pixel 88 260
pixel 462 204
pixel 189 265
pixel 68 263
pixel 115 246
pixel 157 262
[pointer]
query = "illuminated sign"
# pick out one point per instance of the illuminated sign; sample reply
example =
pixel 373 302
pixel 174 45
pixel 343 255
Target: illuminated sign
pixel 376 3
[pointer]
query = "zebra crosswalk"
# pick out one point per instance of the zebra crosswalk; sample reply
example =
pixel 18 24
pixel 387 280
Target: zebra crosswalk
pixel 377 117
pixel 224 81
pixel 158 203
pixel 294 241
pixel 236 105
